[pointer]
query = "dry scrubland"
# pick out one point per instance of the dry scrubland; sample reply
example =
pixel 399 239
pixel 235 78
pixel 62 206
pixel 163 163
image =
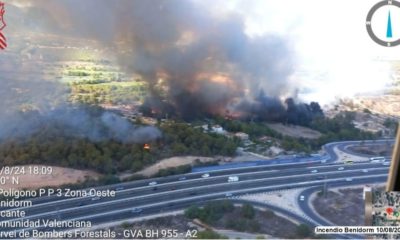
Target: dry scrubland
pixel 172 162
pixel 295 131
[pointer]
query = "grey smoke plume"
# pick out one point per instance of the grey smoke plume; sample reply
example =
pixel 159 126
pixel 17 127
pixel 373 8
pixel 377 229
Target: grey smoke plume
pixel 29 104
pixel 76 122
pixel 124 131
pixel 206 62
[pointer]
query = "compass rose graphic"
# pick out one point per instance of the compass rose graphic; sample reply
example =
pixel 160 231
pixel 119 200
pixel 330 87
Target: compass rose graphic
pixel 373 23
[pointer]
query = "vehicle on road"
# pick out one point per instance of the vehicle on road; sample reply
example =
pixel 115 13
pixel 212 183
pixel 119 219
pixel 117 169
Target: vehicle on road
pixel 386 164
pixel 233 179
pixel 320 177
pixel 377 159
pixel 364 170
pixel 302 197
pixel 349 179
pixel 228 195
pixel 95 198
pixel 136 210
pixel 119 188
pixel 182 178
pixel 340 168
pixel 314 171
pixel 205 175
pixel 152 183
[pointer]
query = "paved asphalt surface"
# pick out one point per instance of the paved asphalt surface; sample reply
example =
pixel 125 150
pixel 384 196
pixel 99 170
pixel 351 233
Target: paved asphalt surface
pixel 344 146
pixel 180 191
pixel 317 219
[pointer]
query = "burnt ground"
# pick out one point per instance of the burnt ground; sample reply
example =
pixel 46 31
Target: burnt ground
pixel 344 209
pixel 374 150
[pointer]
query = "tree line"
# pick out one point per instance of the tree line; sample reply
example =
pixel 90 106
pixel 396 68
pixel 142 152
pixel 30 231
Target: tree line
pixel 53 144
pixel 338 128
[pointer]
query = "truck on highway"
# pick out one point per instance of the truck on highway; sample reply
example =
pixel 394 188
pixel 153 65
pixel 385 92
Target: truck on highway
pixel 233 179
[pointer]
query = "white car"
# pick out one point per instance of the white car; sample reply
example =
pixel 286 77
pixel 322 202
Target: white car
pixel 228 195
pixel 314 171
pixel 302 197
pixel 152 183
pixel 386 163
pixel 341 168
pixel 136 210
pixel 205 175
pixel 364 170
pixel 349 179
pixel 233 179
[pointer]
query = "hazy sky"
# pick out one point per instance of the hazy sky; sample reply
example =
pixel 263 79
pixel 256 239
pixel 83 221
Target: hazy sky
pixel 335 55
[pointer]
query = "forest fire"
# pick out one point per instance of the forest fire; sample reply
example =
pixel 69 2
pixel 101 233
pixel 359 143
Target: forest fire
pixel 146 146
pixel 195 70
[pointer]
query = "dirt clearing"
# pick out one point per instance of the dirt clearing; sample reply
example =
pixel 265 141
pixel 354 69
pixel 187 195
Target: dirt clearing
pixel 344 207
pixel 294 131
pixel 173 162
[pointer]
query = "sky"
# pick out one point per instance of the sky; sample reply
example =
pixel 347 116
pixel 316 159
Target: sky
pixel 334 54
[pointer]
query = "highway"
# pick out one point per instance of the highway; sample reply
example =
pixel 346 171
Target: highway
pixel 318 220
pixel 278 164
pixel 344 146
pixel 180 191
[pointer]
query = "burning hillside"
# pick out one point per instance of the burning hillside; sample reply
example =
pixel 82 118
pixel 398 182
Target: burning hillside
pixel 203 60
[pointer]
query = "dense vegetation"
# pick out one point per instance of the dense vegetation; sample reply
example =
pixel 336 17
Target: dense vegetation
pixel 338 128
pixel 101 91
pixel 174 170
pixel 211 212
pixel 214 211
pixel 223 214
pixel 55 143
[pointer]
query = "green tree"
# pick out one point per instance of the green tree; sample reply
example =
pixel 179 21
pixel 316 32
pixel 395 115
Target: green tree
pixel 248 211
pixel 303 231
pixel 137 165
pixel 126 161
pixel 192 212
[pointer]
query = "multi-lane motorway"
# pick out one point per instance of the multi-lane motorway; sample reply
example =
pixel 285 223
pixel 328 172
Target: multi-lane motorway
pixel 138 198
